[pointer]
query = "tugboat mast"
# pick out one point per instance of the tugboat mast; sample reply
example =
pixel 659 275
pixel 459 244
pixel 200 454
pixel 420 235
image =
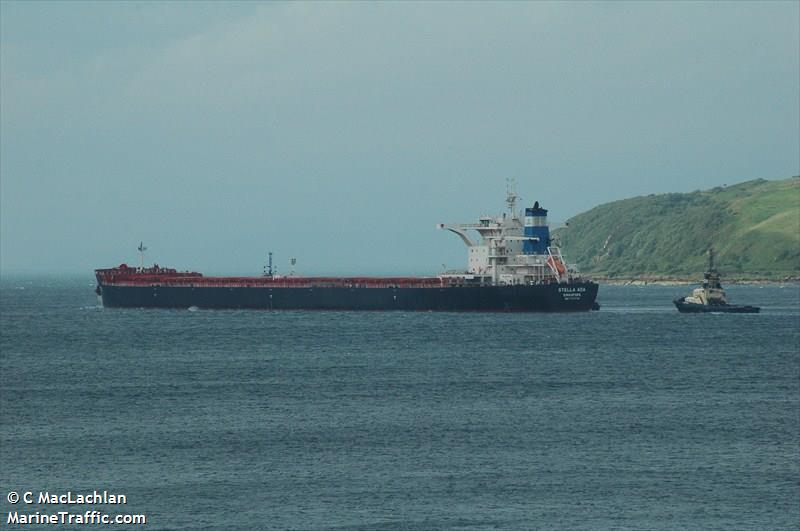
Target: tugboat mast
pixel 712 275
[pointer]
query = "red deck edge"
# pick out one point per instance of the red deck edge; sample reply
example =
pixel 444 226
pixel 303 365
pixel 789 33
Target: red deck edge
pixel 124 275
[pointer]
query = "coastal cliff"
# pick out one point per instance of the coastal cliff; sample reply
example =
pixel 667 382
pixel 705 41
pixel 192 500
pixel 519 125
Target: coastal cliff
pixel 754 227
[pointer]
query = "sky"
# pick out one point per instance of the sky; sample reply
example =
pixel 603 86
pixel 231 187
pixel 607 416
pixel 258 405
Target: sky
pixel 341 133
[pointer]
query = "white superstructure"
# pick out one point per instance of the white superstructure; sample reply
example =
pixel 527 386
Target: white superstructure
pixel 513 249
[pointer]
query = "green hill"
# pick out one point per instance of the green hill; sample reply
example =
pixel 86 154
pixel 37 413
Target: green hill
pixel 754 227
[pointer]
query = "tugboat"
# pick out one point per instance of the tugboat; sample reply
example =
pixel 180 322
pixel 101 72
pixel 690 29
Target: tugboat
pixel 710 297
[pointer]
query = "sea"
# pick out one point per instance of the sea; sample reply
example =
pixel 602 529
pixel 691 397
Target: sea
pixel 631 417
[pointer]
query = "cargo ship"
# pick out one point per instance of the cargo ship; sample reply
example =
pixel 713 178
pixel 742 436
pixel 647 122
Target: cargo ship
pixel 514 266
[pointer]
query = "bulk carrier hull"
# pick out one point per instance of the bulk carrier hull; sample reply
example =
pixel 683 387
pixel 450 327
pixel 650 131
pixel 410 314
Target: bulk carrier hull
pixel 573 297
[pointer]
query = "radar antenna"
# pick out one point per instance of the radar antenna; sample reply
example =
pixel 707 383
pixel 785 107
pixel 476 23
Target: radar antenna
pixel 142 249
pixel 511 195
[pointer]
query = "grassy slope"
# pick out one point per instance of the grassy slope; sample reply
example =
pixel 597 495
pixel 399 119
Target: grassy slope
pixel 754 226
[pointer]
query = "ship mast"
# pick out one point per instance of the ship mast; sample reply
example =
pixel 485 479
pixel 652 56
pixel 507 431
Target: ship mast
pixel 511 196
pixel 142 249
pixel 268 267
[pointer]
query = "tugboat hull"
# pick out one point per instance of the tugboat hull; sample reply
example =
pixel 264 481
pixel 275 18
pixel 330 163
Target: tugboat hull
pixel 710 297
pixel 687 307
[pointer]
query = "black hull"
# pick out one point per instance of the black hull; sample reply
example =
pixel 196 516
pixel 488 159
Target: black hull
pixel 574 297
pixel 685 307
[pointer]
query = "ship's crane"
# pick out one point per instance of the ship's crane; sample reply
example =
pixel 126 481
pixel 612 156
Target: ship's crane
pixel 460 230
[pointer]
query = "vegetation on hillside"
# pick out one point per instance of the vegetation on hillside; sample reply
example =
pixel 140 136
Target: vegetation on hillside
pixel 754 228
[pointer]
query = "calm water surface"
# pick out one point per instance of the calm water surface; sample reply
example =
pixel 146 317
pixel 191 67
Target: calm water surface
pixel 634 417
